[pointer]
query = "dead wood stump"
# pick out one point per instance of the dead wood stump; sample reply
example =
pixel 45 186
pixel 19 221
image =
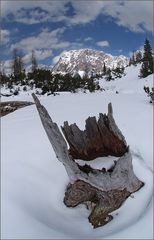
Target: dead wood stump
pixel 101 203
pixel 100 138
pixel 104 190
pixel 11 106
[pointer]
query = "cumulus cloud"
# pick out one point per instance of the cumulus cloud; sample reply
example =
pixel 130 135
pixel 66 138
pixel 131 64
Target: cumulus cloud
pixel 31 12
pixel 103 44
pixel 56 58
pixel 85 11
pixel 46 39
pixel 88 39
pixel 134 15
pixel 137 16
pixel 39 54
pixel 73 45
pixel 5 36
pixel 6 66
pixel 44 43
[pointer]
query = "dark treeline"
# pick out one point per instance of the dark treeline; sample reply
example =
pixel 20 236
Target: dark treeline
pixel 44 79
pixel 50 83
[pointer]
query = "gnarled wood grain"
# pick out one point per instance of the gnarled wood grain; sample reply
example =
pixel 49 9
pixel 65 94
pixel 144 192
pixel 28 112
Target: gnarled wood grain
pixel 11 106
pixel 100 138
pixel 102 202
pixel 105 189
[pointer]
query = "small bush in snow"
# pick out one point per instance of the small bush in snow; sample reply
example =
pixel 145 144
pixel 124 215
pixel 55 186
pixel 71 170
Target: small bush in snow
pixel 16 92
pixel 25 88
pixel 150 93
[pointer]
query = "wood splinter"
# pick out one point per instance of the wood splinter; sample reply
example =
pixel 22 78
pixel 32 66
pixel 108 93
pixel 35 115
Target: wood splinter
pixel 103 190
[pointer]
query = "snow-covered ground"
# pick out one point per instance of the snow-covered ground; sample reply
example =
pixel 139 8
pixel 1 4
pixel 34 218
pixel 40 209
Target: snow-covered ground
pixel 34 181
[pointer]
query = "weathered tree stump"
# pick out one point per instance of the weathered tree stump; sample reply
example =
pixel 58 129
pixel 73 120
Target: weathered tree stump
pixel 100 138
pixel 11 106
pixel 101 202
pixel 104 190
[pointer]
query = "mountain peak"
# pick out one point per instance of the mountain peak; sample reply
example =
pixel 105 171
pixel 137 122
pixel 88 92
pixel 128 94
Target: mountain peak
pixel 88 61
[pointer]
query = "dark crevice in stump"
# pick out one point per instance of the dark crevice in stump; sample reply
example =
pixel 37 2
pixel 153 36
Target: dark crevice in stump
pixel 100 138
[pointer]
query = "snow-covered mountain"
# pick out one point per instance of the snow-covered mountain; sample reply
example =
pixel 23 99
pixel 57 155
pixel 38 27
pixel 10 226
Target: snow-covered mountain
pixel 87 61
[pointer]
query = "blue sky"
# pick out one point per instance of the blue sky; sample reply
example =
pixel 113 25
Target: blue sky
pixel 52 27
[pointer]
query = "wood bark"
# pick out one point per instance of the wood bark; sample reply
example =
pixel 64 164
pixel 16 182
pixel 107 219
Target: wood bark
pixel 101 203
pixel 106 189
pixel 100 138
pixel 11 106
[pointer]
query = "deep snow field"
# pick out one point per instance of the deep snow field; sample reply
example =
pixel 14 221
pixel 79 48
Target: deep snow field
pixel 33 181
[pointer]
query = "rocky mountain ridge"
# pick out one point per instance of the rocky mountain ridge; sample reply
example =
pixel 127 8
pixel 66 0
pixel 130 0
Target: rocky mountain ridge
pixel 87 61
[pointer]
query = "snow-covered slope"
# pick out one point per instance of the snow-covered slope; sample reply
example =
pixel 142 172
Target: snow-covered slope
pixel 130 83
pixel 34 182
pixel 87 61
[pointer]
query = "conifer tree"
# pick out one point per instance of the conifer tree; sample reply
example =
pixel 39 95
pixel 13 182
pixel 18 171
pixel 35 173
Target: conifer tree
pixel 34 62
pixel 138 56
pixel 18 66
pixel 147 65
pixel 133 58
pixel 104 69
pixel 130 61
pixel 108 75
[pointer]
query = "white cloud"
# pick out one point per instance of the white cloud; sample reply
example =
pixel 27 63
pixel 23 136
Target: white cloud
pixel 5 36
pixel 44 43
pixel 85 11
pixel 38 11
pixel 6 66
pixel 73 46
pixel 88 39
pixel 56 58
pixel 103 44
pixel 44 40
pixel 39 54
pixel 43 54
pixel 137 16
pixel 134 15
